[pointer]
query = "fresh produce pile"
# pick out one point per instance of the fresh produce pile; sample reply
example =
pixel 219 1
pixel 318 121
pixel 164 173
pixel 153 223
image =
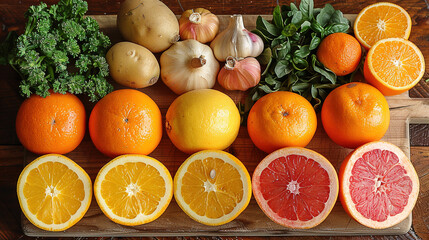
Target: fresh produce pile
pixel 300 62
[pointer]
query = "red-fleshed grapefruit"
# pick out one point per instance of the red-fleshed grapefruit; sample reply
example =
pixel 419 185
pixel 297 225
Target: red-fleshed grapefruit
pixel 295 187
pixel 378 185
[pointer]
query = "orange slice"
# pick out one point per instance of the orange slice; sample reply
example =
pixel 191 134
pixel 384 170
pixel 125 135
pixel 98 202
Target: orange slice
pixel 133 189
pixel 378 185
pixel 54 192
pixel 394 65
pixel 212 187
pixel 379 21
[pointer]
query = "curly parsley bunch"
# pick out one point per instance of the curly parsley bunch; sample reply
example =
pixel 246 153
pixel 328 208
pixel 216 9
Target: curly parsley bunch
pixel 61 50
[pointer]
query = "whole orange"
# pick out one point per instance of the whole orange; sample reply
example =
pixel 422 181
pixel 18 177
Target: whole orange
pixel 340 52
pixel 354 114
pixel 124 122
pixel 281 119
pixel 55 124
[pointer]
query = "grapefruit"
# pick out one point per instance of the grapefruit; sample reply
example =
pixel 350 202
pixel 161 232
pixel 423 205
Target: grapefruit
pixel 378 185
pixel 295 187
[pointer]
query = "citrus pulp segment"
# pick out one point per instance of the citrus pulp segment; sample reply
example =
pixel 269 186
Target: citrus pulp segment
pixel 394 65
pixel 295 187
pixel 133 189
pixel 54 192
pixel 212 187
pixel 380 21
pixel 378 185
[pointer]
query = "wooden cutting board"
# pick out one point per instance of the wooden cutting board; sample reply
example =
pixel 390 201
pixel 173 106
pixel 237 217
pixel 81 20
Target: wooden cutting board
pixel 252 222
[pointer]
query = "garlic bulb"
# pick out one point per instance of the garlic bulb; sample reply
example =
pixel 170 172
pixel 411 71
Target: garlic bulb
pixel 240 74
pixel 188 65
pixel 199 24
pixel 236 41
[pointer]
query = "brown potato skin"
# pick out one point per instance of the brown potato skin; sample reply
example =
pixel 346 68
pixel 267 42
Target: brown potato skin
pixel 149 23
pixel 132 65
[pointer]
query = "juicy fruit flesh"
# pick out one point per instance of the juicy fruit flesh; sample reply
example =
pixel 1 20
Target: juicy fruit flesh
pixel 295 187
pixel 397 64
pixel 53 192
pixel 132 189
pixel 212 187
pixel 382 22
pixel 379 185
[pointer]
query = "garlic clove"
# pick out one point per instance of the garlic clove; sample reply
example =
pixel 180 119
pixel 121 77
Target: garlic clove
pixel 236 41
pixel 199 24
pixel 240 74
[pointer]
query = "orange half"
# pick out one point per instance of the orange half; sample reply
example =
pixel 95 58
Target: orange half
pixel 379 21
pixel 394 65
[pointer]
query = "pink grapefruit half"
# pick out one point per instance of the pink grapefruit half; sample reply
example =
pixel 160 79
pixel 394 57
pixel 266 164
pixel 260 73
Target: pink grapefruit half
pixel 378 185
pixel 295 187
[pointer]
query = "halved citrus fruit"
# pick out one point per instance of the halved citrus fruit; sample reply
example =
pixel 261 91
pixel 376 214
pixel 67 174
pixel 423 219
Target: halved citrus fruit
pixel 212 187
pixel 379 21
pixel 394 65
pixel 295 187
pixel 133 189
pixel 378 185
pixel 54 192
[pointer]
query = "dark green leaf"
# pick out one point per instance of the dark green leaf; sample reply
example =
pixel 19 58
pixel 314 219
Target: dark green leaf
pixel 266 89
pixel 282 68
pixel 306 7
pixel 336 28
pixel 289 30
pixel 297 18
pixel 299 63
pixel 300 87
pixel 264 38
pixel 323 71
pixel 270 80
pixel 277 17
pixel 265 57
pixel 315 41
pixel 302 52
pixel 314 92
pixel 267 28
pixel 305 26
pixel 337 17
pixel 316 27
pixel 325 15
pixel 293 7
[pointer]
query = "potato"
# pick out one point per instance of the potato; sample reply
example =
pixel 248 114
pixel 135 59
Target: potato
pixel 132 65
pixel 149 23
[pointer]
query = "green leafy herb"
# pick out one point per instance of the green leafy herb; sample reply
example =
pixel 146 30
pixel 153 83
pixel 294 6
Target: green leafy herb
pixel 291 42
pixel 61 50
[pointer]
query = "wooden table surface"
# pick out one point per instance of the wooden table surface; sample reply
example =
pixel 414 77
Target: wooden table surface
pixel 12 153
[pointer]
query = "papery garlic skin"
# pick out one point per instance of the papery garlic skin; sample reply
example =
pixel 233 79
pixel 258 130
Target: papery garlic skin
pixel 199 24
pixel 236 41
pixel 188 65
pixel 240 74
